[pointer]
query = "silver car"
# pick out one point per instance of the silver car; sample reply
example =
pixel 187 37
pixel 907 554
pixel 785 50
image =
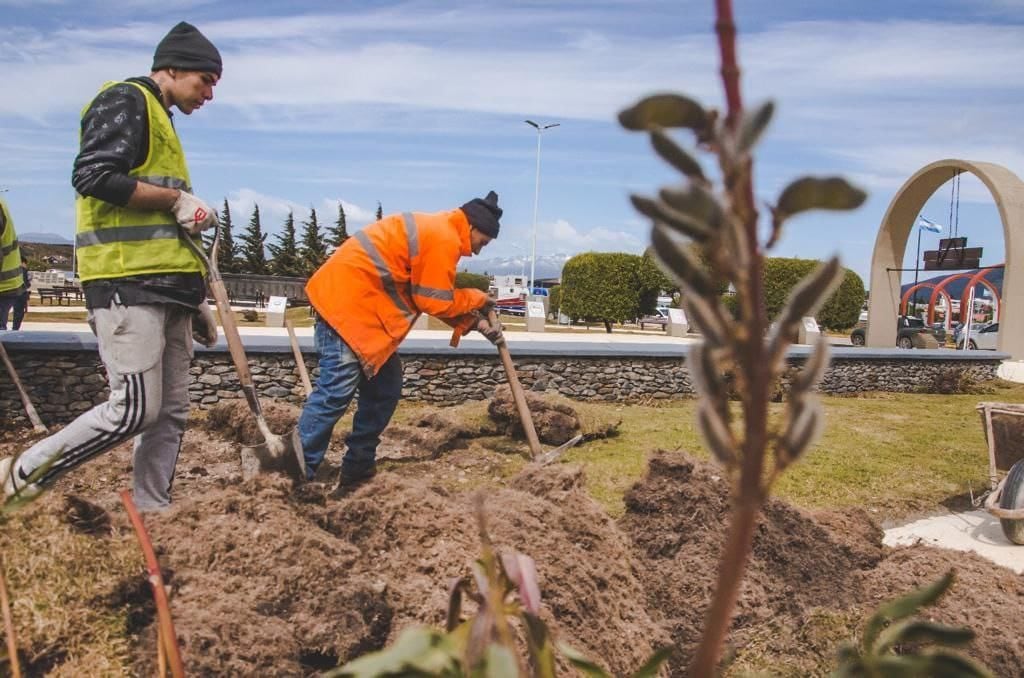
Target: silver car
pixel 985 337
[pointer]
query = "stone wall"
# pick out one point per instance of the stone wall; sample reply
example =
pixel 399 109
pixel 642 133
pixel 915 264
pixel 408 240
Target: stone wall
pixel 65 383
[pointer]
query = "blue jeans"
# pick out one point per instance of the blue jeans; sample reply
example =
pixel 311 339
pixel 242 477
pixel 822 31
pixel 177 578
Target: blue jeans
pixel 341 376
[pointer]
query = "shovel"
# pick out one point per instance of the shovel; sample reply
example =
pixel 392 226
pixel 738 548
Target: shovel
pixel 276 453
pixel 30 410
pixel 307 386
pixel 537 453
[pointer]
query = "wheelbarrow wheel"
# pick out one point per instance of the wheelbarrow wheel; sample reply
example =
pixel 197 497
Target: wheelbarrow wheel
pixel 1013 498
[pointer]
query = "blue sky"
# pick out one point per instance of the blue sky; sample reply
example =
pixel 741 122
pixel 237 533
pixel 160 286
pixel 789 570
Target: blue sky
pixel 420 105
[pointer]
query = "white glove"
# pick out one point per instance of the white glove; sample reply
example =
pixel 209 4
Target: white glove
pixel 204 326
pixel 193 214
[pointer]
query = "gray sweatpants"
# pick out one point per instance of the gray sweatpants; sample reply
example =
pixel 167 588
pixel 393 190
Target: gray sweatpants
pixel 146 350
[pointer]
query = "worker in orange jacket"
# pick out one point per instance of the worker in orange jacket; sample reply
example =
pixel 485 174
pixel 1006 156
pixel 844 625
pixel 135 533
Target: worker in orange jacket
pixel 367 296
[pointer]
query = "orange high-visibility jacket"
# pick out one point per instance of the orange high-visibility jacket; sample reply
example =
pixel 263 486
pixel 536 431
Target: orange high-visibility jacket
pixel 372 289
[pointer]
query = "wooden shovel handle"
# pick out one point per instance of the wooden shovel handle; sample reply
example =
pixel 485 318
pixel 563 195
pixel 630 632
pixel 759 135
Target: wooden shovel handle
pixel 517 392
pixel 299 361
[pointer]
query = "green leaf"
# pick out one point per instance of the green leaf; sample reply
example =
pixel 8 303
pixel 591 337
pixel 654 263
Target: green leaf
pixel 500 662
pixel 904 606
pixel 454 614
pixel 891 666
pixel 922 632
pixel 659 212
pixel 697 202
pixel 653 664
pixel 584 664
pixel 952 665
pixel 753 125
pixel 675 155
pixel 418 651
pixel 664 110
pixel 808 193
pixel 538 640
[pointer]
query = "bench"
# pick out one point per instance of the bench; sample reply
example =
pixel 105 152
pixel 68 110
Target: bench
pixel 52 293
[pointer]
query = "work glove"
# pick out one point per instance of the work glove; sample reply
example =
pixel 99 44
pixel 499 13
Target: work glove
pixel 204 326
pixel 193 214
pixel 492 332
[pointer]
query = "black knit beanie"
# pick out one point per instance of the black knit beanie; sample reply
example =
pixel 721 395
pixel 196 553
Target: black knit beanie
pixel 483 214
pixel 186 48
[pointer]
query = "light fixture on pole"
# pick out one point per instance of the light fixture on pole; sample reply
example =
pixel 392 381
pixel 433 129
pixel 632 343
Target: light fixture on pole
pixel 536 199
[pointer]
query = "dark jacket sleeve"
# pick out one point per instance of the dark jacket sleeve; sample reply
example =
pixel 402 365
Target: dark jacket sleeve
pixel 114 139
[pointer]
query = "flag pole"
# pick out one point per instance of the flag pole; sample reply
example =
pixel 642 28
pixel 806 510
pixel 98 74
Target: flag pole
pixel 917 263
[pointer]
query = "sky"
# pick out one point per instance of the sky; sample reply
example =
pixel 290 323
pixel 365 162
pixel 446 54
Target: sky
pixel 420 106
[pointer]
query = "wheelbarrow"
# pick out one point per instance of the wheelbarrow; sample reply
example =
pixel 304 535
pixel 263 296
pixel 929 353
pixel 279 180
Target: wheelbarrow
pixel 537 454
pixel 280 454
pixel 1003 424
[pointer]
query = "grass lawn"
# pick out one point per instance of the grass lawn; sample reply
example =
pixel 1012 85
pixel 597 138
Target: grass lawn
pixel 896 455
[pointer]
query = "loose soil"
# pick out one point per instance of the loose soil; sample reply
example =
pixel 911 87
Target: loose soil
pixel 268 579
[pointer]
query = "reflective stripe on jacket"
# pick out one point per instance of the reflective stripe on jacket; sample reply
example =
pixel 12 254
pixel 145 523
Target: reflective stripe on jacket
pixel 113 241
pixel 10 256
pixel 372 289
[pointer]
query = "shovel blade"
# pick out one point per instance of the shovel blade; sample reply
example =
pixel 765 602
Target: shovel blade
pixel 554 455
pixel 276 454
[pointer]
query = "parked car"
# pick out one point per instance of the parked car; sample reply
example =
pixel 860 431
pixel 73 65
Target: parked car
pixel 906 328
pixel 984 337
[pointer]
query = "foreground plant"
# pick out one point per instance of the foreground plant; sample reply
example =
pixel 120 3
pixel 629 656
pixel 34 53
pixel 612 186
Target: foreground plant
pixel 504 588
pixel 705 237
pixel 896 644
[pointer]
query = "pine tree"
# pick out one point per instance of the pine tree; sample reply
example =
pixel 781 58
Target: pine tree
pixel 313 252
pixel 252 257
pixel 380 211
pixel 227 252
pixel 338 233
pixel 285 253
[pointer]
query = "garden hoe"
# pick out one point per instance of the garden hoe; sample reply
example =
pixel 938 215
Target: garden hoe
pixel 537 454
pixel 277 453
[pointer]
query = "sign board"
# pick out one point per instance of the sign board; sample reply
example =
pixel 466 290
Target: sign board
pixel 953 255
pixel 810 324
pixel 677 326
pixel 275 311
pixel 536 318
pixel 809 332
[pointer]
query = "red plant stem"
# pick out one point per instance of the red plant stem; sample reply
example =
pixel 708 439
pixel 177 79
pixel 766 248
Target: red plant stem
pixel 12 644
pixel 749 498
pixel 156 581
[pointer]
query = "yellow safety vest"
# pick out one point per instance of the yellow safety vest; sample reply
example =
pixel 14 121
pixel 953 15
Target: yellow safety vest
pixel 114 242
pixel 10 255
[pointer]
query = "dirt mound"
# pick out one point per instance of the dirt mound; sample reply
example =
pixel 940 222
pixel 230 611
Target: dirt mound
pixel 283 586
pixel 676 518
pixel 233 420
pixel 987 598
pixel 555 419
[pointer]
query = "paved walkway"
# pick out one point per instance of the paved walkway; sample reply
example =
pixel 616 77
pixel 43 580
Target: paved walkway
pixel 976 531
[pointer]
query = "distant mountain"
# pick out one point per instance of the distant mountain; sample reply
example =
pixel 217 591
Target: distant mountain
pixel 44 238
pixel 546 266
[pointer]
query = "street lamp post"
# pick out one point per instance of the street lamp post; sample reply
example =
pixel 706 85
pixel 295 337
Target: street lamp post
pixel 536 200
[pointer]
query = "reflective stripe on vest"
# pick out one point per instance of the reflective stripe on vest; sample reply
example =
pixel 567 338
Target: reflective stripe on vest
pixel 112 241
pixel 413 238
pixel 386 279
pixel 10 254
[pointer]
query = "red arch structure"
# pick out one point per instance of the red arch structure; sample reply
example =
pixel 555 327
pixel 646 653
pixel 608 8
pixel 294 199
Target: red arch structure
pixel 979 277
pixel 937 289
pixel 941 287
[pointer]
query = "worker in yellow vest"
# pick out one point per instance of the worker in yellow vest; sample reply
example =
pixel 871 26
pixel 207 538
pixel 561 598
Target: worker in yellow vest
pixel 144 288
pixel 12 287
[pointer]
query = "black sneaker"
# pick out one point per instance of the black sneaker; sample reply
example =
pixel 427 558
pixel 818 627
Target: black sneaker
pixel 349 483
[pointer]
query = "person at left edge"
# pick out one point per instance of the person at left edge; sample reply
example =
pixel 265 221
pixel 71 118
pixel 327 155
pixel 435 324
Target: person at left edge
pixel 12 287
pixel 144 287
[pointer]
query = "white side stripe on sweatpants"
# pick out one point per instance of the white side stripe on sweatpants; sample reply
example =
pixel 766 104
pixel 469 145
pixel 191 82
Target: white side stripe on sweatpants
pixel 131 422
